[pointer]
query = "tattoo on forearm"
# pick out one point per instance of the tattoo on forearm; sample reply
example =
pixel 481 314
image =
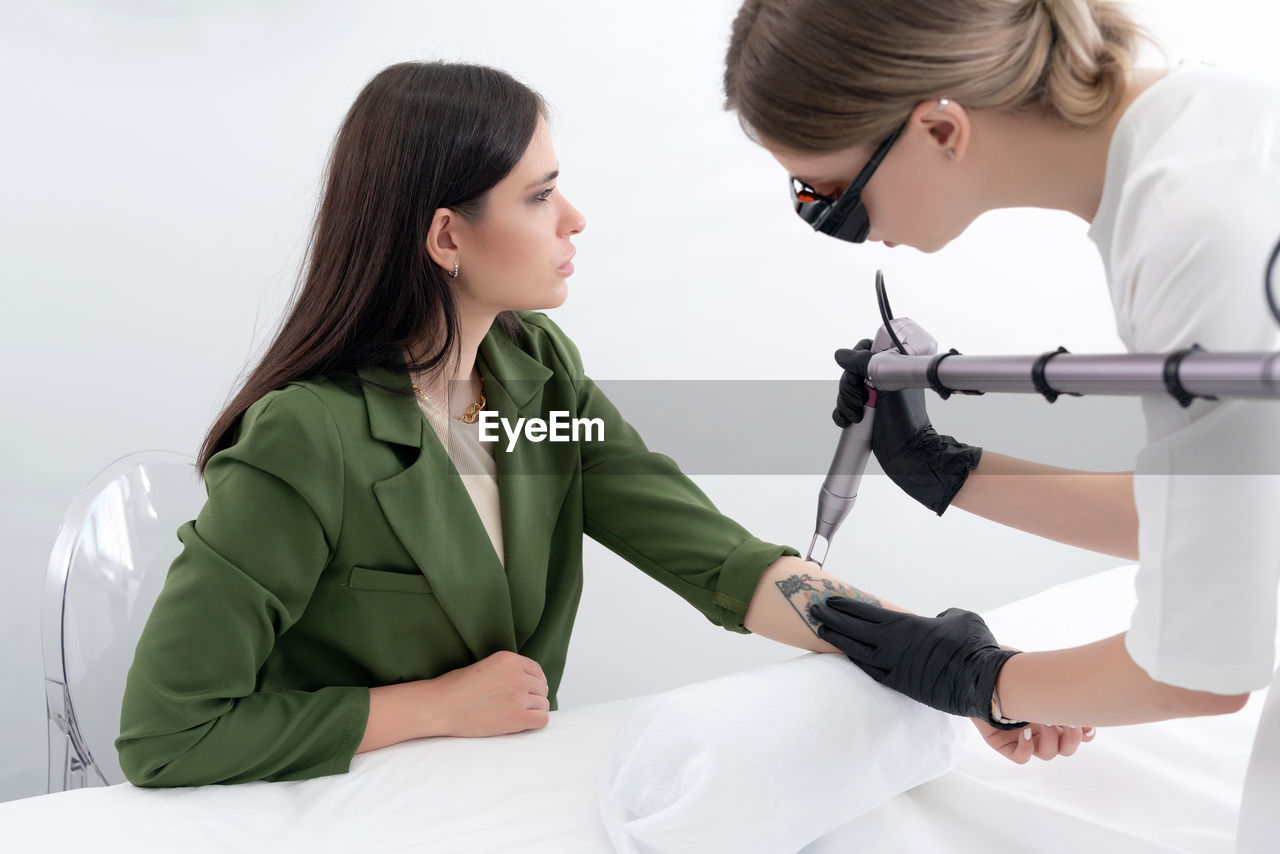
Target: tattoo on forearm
pixel 803 590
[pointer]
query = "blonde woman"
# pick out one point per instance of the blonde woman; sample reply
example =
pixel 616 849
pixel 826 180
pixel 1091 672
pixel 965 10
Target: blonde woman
pixel 901 121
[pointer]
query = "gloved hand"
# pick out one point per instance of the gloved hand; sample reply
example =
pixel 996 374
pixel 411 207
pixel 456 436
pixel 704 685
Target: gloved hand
pixel 949 662
pixel 929 467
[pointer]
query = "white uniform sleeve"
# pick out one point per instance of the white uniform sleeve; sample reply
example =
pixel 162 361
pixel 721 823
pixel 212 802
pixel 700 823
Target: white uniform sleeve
pixel 1207 485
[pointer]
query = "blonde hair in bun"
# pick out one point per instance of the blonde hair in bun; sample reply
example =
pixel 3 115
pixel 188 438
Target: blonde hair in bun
pixel 822 75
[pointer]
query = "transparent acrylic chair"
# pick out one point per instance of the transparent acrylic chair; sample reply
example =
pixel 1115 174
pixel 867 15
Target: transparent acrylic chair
pixel 106 569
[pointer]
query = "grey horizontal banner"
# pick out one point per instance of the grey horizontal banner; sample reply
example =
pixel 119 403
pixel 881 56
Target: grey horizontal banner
pixel 784 427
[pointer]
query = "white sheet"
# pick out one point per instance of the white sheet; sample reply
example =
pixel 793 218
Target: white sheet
pixel 1167 787
pixel 760 761
pixel 1172 786
pixel 528 792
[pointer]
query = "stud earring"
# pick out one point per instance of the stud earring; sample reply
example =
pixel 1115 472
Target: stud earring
pixel 951 154
pixel 942 104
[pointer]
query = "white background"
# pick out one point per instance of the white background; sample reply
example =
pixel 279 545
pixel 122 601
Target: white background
pixel 160 164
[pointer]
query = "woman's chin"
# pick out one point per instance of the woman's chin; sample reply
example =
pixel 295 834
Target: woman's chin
pixel 553 297
pixel 927 248
pixel 560 294
pixel 933 246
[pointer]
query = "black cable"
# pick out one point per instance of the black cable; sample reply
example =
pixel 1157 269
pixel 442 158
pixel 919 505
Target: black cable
pixel 886 313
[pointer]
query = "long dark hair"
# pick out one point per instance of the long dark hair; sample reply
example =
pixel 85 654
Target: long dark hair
pixel 420 136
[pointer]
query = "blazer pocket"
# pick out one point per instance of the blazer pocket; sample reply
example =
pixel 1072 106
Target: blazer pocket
pixel 387 580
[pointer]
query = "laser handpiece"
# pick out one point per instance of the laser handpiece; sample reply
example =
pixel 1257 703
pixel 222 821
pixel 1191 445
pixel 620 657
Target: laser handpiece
pixel 840 489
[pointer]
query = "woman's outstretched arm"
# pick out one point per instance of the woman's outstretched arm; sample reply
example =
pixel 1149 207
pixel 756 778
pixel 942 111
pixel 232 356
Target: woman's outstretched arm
pixel 779 610
pixel 1089 510
pixel 1098 684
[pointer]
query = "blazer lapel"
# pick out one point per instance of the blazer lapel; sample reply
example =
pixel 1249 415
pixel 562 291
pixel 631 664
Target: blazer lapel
pixel 432 515
pixel 533 477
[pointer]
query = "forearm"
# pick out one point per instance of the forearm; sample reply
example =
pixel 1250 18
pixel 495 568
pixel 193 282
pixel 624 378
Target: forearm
pixel 1098 684
pixel 779 609
pixel 1089 510
pixel 400 713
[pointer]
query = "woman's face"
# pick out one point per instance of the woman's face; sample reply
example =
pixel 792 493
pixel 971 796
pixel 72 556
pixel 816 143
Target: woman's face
pixel 914 198
pixel 516 255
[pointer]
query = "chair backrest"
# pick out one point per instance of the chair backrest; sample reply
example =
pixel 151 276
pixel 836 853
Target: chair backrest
pixel 105 571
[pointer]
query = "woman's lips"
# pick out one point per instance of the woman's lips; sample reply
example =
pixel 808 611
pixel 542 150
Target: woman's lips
pixel 566 269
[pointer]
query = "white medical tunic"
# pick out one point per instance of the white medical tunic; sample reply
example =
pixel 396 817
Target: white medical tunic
pixel 1189 216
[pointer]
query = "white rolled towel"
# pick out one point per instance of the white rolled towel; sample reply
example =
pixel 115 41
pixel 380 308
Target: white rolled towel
pixel 768 760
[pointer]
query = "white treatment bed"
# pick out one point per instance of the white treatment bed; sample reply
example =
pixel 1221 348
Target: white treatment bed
pixel 1167 787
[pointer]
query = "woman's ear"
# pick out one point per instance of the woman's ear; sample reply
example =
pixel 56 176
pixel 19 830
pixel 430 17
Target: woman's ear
pixel 947 125
pixel 442 244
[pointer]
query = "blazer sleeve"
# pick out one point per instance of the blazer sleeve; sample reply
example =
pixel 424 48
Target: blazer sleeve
pixel 638 504
pixel 192 711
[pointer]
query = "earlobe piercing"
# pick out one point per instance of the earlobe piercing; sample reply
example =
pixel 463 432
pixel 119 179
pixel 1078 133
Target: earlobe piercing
pixel 454 273
pixel 951 154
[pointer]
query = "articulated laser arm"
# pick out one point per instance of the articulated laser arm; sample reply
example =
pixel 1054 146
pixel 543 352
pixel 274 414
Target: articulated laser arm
pixel 905 356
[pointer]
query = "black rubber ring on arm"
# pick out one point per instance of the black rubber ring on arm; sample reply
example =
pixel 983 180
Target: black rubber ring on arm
pixel 1037 375
pixel 931 374
pixel 1171 382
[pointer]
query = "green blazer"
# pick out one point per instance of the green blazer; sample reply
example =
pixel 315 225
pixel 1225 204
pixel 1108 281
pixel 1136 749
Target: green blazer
pixel 339 550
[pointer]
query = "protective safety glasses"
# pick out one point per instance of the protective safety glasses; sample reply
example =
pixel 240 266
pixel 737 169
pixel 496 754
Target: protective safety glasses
pixel 844 217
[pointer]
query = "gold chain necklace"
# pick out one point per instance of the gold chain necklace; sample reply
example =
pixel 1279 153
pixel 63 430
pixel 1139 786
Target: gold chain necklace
pixel 472 413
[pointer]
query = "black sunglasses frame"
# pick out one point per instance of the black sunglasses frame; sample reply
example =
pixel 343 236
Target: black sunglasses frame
pixel 846 217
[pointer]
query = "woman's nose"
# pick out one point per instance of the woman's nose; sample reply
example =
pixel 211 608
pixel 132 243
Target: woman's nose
pixel 574 221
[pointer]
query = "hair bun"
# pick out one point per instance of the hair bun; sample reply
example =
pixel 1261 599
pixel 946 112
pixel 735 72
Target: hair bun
pixel 1088 47
pixel 824 75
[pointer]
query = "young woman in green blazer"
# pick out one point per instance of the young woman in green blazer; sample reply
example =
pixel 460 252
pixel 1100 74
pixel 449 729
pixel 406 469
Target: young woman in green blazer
pixel 365 570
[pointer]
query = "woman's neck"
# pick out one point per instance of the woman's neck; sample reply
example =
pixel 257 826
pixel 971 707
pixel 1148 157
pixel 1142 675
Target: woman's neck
pixel 459 382
pixel 1043 163
pixel 471 331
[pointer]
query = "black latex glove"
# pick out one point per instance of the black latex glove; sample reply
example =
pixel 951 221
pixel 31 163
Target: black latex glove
pixel 949 662
pixel 928 466
pixel 851 399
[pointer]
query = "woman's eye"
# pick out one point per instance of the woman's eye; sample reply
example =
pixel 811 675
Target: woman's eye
pixel 545 194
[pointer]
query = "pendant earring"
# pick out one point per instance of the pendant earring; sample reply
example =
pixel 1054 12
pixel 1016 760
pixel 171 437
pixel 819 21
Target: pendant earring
pixel 454 274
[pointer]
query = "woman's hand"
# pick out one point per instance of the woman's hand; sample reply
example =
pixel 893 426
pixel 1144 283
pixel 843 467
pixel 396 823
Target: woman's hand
pixel 950 662
pixel 1046 741
pixel 929 467
pixel 851 398
pixel 501 694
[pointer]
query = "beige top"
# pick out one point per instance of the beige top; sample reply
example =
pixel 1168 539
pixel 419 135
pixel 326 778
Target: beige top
pixel 475 464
